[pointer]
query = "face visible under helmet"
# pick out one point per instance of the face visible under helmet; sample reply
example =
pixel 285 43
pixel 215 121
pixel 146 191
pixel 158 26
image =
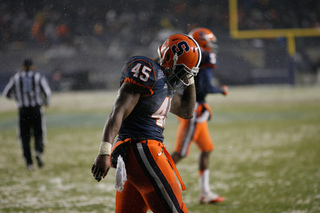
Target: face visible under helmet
pixel 180 57
pixel 205 38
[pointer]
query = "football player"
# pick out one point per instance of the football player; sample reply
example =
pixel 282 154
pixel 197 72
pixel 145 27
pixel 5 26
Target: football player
pixel 196 129
pixel 146 95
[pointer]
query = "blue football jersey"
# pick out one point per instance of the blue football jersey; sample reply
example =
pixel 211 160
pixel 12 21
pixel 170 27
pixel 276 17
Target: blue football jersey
pixel 203 79
pixel 148 117
pixel 209 59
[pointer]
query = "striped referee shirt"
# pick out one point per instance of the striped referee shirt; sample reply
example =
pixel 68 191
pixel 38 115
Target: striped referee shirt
pixel 30 89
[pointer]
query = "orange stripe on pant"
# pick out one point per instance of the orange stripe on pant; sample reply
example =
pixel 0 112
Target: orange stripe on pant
pixel 151 182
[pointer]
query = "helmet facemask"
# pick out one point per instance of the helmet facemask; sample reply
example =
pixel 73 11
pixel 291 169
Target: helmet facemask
pixel 213 46
pixel 182 73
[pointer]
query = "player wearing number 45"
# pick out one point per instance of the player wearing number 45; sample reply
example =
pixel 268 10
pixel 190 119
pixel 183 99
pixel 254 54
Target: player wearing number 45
pixel 145 171
pixel 31 91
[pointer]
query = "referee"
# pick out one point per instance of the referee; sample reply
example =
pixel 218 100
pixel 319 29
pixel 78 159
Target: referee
pixel 31 91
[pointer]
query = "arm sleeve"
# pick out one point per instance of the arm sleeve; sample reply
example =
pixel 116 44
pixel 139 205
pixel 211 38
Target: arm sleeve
pixel 9 89
pixel 46 89
pixel 208 72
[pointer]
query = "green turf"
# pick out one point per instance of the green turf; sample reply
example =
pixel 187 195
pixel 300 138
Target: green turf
pixel 266 158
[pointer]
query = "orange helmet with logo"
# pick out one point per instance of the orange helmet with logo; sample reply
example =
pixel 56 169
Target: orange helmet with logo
pixel 205 38
pixel 180 57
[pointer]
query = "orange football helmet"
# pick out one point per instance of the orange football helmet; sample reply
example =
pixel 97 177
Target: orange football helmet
pixel 205 38
pixel 180 57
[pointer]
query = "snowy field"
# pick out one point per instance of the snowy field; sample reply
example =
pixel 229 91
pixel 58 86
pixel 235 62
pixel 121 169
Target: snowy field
pixel 266 158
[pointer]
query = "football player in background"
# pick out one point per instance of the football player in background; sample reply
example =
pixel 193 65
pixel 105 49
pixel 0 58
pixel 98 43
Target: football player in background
pixel 147 93
pixel 196 129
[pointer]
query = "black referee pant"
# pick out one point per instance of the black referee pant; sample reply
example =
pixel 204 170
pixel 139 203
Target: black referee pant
pixel 31 121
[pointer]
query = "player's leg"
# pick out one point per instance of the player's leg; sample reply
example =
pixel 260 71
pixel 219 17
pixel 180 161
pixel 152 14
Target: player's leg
pixel 24 136
pixel 206 146
pixel 39 131
pixel 155 179
pixel 204 160
pixel 184 137
pixel 130 200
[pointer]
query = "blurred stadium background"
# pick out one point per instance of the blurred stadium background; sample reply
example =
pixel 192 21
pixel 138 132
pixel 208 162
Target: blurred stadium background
pixel 82 45
pixel 267 157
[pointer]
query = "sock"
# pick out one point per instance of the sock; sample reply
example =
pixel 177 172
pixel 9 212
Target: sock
pixel 204 182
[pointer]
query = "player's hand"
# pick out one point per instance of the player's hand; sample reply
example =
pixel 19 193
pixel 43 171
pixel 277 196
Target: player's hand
pixel 225 90
pixel 100 167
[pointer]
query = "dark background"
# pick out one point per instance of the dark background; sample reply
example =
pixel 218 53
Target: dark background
pixel 81 45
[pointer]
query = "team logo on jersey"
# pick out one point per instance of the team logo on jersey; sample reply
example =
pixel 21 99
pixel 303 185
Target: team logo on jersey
pixel 180 48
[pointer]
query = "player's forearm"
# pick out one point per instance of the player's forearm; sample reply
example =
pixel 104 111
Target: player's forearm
pixel 188 101
pixel 213 90
pixel 183 105
pixel 113 124
pixel 110 130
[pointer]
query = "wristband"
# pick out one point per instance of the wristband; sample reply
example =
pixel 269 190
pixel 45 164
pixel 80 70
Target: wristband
pixel 105 148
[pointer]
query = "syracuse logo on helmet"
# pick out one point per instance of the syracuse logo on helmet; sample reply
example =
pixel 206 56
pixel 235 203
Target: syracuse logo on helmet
pixel 180 57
